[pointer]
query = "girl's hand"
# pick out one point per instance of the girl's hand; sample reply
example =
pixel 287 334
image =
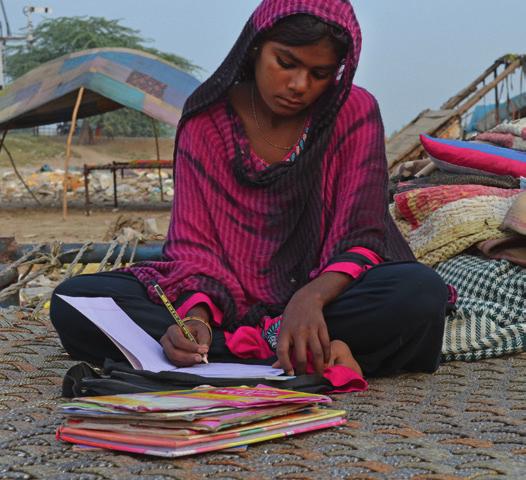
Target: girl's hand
pixel 181 351
pixel 303 330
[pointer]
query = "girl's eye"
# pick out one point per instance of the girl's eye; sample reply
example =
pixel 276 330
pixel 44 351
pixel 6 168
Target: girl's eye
pixel 282 63
pixel 320 75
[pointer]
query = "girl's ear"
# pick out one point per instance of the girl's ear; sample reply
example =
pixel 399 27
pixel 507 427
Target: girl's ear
pixel 254 52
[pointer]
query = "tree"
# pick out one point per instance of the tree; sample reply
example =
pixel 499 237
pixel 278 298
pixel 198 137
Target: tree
pixel 61 36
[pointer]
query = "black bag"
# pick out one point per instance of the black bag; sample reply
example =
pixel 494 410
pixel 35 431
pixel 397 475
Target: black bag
pixel 118 377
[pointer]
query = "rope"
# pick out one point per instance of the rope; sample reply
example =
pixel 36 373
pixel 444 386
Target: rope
pixel 53 259
pixel 110 251
pixel 76 260
pixel 15 287
pixel 67 274
pixel 118 260
pixel 134 250
pixel 26 256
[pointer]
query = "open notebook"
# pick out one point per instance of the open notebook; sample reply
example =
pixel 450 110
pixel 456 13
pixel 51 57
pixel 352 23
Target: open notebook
pixel 143 351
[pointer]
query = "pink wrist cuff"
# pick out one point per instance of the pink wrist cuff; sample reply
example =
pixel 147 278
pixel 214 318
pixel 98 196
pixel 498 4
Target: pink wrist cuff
pixel 348 268
pixel 196 298
pixel 353 269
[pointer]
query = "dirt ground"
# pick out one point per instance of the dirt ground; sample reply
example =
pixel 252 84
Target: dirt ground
pixel 30 225
pixel 35 226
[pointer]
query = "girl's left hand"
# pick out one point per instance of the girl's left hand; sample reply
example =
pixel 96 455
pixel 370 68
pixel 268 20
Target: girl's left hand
pixel 303 330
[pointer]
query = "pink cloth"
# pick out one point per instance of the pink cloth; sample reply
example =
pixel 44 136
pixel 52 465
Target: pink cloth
pixel 248 342
pixel 249 235
pixel 201 298
pixel 353 269
pixel 345 380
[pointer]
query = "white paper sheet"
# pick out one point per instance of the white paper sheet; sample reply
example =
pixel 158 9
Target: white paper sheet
pixel 143 351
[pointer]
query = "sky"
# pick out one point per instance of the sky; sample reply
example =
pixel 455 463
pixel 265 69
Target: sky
pixel 416 53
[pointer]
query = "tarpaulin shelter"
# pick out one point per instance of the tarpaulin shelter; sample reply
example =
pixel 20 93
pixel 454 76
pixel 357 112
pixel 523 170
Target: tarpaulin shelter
pixel 92 82
pixel 484 117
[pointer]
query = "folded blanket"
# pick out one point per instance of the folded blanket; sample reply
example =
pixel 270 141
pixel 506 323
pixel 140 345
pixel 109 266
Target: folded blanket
pixel 507 140
pixel 398 185
pixel 516 127
pixel 515 219
pixel 443 221
pixel 490 318
pixel 512 248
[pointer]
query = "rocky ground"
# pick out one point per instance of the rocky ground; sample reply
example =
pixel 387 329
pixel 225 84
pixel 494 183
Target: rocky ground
pixel 40 161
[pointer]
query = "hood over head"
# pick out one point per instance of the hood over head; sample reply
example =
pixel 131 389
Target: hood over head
pixel 337 12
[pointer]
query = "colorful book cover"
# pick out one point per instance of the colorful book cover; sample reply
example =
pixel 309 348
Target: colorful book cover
pixel 210 423
pixel 177 441
pixel 75 409
pixel 200 399
pixel 258 432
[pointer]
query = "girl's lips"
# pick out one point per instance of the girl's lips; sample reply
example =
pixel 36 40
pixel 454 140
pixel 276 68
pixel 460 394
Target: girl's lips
pixel 289 103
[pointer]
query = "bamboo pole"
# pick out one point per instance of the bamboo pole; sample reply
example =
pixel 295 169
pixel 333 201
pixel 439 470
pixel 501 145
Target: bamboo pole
pixel 68 153
pixel 158 152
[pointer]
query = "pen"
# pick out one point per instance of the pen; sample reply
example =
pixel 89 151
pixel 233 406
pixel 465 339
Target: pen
pixel 187 333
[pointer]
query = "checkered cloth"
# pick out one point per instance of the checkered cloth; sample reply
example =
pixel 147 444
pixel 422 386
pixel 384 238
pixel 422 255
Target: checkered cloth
pixel 490 319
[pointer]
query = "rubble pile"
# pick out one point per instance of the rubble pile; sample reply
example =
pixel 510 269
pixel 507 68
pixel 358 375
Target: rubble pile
pixel 126 228
pixel 134 186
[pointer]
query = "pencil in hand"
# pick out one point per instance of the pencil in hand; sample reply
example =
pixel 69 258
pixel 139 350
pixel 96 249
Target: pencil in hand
pixel 186 332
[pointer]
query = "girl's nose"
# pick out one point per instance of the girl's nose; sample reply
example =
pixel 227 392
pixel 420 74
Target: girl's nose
pixel 299 83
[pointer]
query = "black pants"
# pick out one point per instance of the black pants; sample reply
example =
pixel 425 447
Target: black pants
pixel 392 318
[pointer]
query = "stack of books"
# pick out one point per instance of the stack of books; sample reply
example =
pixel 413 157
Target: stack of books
pixel 188 422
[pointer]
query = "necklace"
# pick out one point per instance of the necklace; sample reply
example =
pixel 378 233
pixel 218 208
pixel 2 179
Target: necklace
pixel 254 114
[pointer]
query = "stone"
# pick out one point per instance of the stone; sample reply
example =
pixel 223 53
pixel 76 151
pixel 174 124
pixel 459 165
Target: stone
pixel 135 186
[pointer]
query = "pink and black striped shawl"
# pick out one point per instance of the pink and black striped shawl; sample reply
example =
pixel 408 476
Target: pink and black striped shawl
pixel 248 236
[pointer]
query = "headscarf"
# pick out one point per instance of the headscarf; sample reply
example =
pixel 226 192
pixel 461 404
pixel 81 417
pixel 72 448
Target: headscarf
pixel 300 202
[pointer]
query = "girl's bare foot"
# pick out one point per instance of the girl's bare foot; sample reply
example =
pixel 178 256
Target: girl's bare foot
pixel 341 355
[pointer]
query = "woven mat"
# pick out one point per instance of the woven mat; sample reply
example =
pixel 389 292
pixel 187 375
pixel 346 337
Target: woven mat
pixel 466 421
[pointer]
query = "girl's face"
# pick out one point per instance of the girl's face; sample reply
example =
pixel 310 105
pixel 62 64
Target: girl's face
pixel 290 79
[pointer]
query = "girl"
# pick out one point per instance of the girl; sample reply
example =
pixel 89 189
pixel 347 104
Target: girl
pixel 280 242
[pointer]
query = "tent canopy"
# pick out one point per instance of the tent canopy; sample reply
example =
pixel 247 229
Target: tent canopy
pixel 112 78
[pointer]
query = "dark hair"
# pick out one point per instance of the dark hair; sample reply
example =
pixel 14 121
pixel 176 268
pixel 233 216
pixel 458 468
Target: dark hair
pixel 302 29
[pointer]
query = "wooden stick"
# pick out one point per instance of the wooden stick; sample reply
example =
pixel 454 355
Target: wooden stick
pixel 68 153
pixel 454 101
pixel 461 109
pixel 158 152
pixel 12 161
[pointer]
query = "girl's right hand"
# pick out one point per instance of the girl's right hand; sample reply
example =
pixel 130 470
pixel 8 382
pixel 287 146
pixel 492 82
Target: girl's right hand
pixel 181 351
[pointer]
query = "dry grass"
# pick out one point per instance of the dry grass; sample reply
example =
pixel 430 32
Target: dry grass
pixel 34 151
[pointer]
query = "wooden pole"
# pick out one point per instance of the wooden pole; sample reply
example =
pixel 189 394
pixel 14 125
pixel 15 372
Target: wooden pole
pixel 68 153
pixel 158 152
pixel 497 106
pixel 114 173
pixel 480 94
pixel 454 101
pixel 86 189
